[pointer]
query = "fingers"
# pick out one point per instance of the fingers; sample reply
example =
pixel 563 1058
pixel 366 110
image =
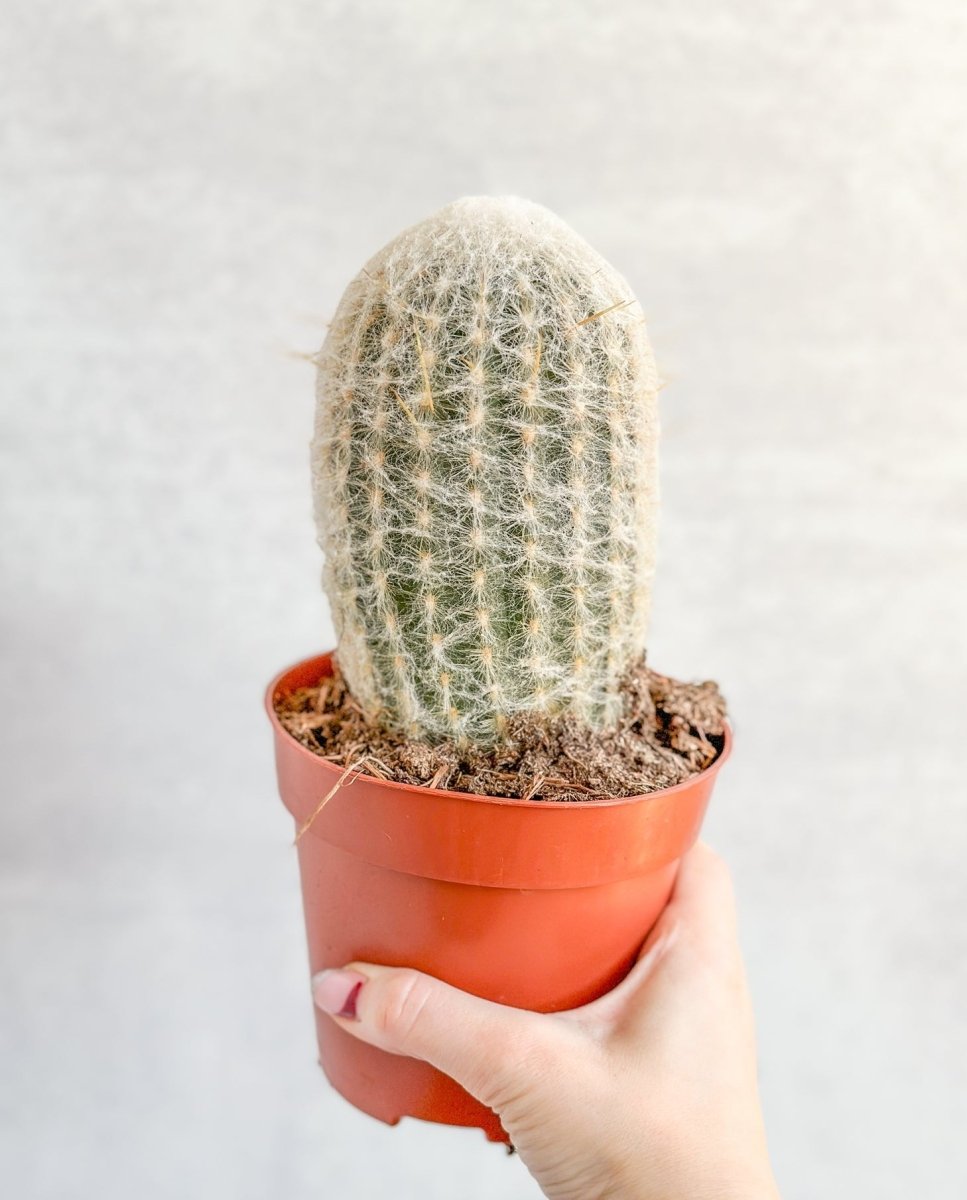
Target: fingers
pixel 598 1017
pixel 490 1049
pixel 700 915
pixel 703 900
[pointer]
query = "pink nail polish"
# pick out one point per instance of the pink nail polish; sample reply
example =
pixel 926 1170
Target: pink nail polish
pixel 335 992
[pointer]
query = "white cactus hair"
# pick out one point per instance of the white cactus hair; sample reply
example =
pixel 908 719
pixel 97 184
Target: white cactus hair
pixel 485 474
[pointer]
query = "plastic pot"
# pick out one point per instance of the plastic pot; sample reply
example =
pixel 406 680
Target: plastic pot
pixel 539 904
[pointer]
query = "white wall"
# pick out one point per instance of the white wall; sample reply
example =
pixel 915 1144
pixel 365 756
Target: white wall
pixel 186 189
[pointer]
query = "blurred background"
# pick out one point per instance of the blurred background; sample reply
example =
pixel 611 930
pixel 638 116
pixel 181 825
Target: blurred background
pixel 187 187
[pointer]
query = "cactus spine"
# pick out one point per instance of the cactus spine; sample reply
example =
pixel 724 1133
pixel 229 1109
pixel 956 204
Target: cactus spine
pixel 485 475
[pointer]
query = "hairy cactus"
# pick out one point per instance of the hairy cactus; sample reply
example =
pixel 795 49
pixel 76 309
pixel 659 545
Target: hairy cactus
pixel 485 475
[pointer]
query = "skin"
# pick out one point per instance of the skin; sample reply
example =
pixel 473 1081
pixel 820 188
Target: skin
pixel 648 1093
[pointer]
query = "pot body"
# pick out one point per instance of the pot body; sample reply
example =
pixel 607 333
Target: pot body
pixel 541 905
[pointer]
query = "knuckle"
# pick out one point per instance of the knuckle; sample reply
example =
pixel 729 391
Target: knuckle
pixel 530 1073
pixel 401 999
pixel 532 1059
pixel 540 1060
pixel 716 866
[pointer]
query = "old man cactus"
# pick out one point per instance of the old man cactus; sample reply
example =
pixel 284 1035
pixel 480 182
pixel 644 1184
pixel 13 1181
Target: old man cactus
pixel 485 475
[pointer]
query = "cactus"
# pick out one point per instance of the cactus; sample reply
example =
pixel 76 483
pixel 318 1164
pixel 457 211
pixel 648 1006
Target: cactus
pixel 485 475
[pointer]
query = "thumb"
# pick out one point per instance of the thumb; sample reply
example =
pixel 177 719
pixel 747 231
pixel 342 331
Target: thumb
pixel 489 1049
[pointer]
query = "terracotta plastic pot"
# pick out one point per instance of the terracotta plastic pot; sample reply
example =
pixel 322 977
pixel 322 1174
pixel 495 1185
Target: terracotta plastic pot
pixel 542 905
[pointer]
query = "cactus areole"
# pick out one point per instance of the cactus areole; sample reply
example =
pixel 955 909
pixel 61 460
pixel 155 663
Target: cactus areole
pixel 484 470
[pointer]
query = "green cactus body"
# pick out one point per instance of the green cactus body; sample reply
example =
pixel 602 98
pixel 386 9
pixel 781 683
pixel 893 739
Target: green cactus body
pixel 485 475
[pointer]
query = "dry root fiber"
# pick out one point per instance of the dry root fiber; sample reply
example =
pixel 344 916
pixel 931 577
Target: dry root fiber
pixel 668 732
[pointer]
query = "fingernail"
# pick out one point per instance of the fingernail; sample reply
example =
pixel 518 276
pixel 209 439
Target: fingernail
pixel 335 992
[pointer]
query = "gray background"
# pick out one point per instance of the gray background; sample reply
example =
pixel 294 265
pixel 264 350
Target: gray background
pixel 187 187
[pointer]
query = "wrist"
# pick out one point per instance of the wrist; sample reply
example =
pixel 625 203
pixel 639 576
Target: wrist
pixel 746 1181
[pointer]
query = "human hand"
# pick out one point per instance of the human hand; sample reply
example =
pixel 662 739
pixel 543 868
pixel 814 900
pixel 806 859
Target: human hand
pixel 648 1093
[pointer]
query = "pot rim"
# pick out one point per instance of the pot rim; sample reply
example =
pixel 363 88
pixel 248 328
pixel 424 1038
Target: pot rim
pixel 509 801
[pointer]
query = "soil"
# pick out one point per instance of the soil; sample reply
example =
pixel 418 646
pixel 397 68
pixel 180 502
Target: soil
pixel 668 732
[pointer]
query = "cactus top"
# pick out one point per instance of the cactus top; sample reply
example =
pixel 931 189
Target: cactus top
pixel 485 475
